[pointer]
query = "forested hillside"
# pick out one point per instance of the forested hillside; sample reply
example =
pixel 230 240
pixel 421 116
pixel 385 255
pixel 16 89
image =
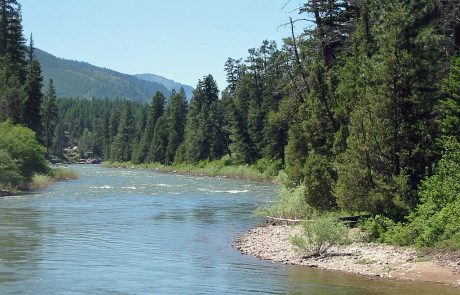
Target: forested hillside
pixel 80 79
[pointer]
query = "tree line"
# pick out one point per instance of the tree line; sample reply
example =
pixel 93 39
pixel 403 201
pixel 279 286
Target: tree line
pixel 27 116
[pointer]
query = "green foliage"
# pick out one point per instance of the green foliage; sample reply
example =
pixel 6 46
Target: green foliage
pixel 376 228
pixel 218 168
pixel 320 234
pixel 436 221
pixel 269 167
pixel 291 204
pixel 49 114
pixel 86 143
pixel 122 143
pixel 155 111
pixel 63 173
pixel 20 143
pixel 41 181
pixel 203 131
pixel 10 176
pixel 32 105
pixel 176 115
pixel 318 182
pixel 449 123
pixel 79 79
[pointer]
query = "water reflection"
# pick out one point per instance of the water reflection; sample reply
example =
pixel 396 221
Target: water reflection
pixel 20 240
pixel 312 281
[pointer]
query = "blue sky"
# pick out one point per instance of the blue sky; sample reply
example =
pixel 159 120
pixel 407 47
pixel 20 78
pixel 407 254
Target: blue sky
pixel 180 39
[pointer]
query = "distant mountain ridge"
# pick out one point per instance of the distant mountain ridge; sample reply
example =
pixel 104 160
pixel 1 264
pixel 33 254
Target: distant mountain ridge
pixel 81 79
pixel 168 83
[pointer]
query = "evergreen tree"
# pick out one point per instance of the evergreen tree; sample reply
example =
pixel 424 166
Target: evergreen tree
pixel 12 41
pixel 159 142
pixel 203 130
pixel 59 140
pixel 449 123
pixel 176 115
pixel 390 147
pixel 156 110
pixel 122 143
pixel 85 144
pixel 49 113
pixel 33 87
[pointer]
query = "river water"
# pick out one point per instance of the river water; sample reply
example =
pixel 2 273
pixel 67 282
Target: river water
pixel 118 231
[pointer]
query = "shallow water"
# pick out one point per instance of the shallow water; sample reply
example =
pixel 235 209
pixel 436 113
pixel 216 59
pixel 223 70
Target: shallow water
pixel 141 232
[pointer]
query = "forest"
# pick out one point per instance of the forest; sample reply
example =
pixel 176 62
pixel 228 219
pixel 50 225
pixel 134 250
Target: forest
pixel 360 113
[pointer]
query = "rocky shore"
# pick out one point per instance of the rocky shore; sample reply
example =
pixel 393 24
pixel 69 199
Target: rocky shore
pixel 272 242
pixel 5 193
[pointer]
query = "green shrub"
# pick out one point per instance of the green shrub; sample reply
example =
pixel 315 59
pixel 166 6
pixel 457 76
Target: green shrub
pixel 436 221
pixel 376 227
pixel 269 167
pixel 63 173
pixel 10 176
pixel 289 204
pixel 318 182
pixel 320 235
pixel 23 149
pixel 40 181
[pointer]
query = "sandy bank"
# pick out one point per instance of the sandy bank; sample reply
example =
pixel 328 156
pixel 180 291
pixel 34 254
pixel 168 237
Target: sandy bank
pixel 272 243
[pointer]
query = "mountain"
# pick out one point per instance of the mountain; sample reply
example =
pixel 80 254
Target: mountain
pixel 81 79
pixel 169 84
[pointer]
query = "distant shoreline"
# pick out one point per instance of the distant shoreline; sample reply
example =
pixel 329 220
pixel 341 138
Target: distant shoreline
pixel 242 172
pixel 271 242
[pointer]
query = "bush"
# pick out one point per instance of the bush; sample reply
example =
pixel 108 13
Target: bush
pixel 290 203
pixel 318 182
pixel 269 167
pixel 436 220
pixel 10 176
pixel 20 143
pixel 320 235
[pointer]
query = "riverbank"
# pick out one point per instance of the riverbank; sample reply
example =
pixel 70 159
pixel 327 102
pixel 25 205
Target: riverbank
pixel 272 242
pixel 40 181
pixel 210 169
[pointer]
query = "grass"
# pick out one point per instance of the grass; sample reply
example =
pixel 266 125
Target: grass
pixel 290 204
pixel 63 174
pixel 40 181
pixel 212 169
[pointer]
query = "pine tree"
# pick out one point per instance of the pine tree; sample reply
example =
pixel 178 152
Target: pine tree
pixel 203 139
pixel 33 87
pixel 122 143
pixel 176 115
pixel 12 41
pixel 449 123
pixel 59 140
pixel 49 114
pixel 156 110
pixel 159 142
pixel 390 144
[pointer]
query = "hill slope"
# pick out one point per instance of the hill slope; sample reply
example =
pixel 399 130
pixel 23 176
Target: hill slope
pixel 169 84
pixel 81 79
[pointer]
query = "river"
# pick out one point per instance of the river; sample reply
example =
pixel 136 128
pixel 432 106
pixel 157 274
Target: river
pixel 118 232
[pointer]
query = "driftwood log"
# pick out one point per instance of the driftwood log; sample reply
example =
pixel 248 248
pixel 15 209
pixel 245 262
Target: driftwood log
pixel 350 221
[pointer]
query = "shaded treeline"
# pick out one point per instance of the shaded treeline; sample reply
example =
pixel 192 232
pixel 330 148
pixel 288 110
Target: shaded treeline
pixel 22 103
